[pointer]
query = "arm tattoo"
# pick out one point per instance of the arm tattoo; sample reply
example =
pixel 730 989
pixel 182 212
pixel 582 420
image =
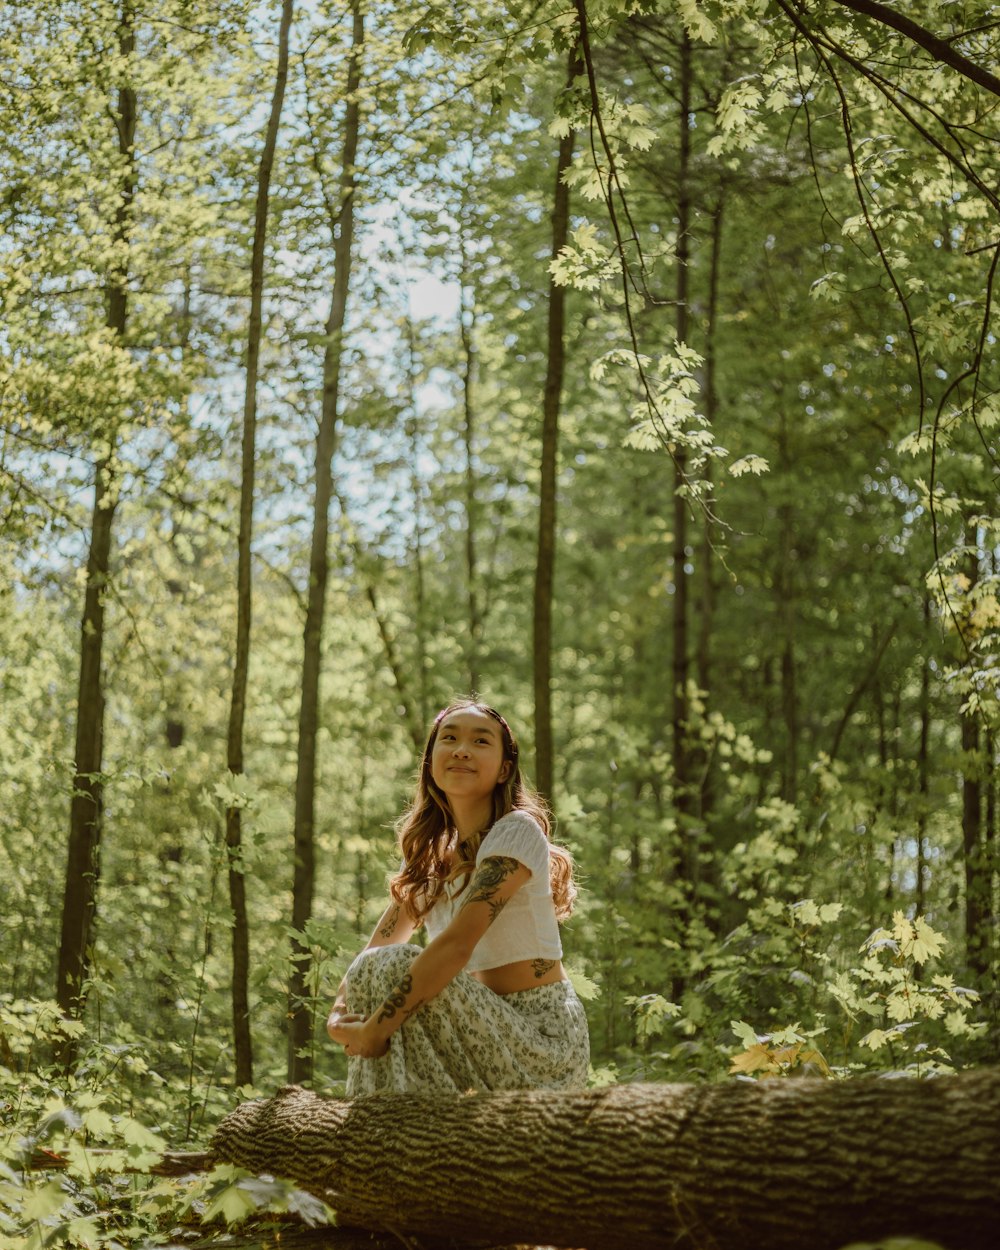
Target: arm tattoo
pixel 541 966
pixel 391 920
pixel 488 878
pixel 397 1001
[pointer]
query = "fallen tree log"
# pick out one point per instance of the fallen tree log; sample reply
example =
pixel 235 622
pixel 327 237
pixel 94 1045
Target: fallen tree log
pixel 777 1165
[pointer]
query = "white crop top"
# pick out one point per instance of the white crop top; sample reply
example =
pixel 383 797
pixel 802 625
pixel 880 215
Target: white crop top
pixel 527 926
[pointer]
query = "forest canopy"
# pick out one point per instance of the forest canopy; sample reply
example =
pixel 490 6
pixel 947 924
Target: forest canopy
pixel 628 362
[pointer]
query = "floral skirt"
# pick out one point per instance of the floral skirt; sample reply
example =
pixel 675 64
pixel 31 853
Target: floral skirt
pixel 468 1037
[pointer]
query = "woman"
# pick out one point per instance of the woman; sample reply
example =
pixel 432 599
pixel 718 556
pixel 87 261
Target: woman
pixel 486 1004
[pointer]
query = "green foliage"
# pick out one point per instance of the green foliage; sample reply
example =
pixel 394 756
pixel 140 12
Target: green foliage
pixel 832 396
pixel 787 944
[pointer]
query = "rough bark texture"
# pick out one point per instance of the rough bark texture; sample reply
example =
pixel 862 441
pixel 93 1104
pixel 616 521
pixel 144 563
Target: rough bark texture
pixel 87 803
pixel 281 1235
pixel 780 1164
pixel 680 664
pixel 242 1044
pixel 467 328
pixel 551 401
pixel 299 1015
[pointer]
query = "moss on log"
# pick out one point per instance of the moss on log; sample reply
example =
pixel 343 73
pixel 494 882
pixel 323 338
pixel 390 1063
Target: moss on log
pixel 782 1164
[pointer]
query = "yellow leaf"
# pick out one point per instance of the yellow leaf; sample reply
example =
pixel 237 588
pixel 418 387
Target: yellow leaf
pixel 756 1059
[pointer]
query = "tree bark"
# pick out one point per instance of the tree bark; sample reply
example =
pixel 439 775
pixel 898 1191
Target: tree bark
pixel 413 423
pixel 976 906
pixel 467 334
pixel 87 802
pixel 551 401
pixel 684 799
pixel 923 760
pixel 299 1013
pixel 779 1164
pixel 706 606
pixel 990 838
pixel 787 618
pixel 977 876
pixel 242 1043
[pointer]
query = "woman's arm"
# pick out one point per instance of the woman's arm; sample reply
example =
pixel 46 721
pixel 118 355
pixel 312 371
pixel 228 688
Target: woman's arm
pixel 394 925
pixel 494 883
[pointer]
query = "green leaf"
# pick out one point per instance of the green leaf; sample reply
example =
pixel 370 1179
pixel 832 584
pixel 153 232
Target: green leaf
pixel 749 464
pixel 135 1134
pixel 234 1203
pixel 98 1123
pixel 744 1033
pixel 585 988
pixel 44 1202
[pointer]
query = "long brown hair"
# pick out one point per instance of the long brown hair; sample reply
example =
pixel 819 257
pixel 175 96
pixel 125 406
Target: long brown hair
pixel 426 828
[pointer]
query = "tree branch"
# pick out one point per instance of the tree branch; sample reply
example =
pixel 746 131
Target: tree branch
pixel 939 48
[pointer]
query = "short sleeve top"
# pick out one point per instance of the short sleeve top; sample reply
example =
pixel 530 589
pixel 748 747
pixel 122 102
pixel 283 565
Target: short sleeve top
pixel 527 926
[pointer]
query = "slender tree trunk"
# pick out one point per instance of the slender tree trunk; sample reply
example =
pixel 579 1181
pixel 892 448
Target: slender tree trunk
pixel 977 908
pixel 976 911
pixel 990 829
pixel 786 615
pixel 417 490
pixel 87 803
pixel 467 333
pixel 923 762
pixel 551 401
pixel 244 576
pixel 776 1164
pixel 706 614
pixel 299 1012
pixel 683 796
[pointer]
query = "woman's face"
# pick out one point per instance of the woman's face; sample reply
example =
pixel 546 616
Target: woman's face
pixel 467 756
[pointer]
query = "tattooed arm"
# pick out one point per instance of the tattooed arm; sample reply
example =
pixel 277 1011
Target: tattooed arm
pixel 394 925
pixel 494 883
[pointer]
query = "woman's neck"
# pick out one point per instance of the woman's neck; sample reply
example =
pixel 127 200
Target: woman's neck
pixel 471 819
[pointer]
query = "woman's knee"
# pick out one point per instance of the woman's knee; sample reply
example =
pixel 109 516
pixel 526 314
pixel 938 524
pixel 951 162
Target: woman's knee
pixel 378 971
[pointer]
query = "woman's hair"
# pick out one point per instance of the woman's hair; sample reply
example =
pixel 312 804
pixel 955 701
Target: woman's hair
pixel 426 827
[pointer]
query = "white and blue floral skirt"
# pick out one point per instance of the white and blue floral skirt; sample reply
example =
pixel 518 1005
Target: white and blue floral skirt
pixel 468 1037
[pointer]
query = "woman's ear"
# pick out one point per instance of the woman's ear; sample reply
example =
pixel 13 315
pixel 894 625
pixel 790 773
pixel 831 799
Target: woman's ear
pixel 505 771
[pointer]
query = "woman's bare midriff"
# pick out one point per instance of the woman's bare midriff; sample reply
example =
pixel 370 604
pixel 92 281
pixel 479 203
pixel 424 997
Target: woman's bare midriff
pixel 525 974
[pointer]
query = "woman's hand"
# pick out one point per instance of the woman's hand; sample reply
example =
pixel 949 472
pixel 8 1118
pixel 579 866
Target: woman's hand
pixel 339 1015
pixel 357 1036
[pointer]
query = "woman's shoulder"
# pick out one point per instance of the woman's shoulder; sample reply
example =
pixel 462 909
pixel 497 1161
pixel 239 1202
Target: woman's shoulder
pixel 520 835
pixel 518 821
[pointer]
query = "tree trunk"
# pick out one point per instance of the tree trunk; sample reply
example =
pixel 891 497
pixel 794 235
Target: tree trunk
pixel 87 803
pixel 786 611
pixel 977 877
pixel 683 796
pixel 419 632
pixel 551 401
pixel 299 1013
pixel 706 606
pixel 923 761
pixel 684 790
pixel 244 577
pixel 467 333
pixel 990 841
pixel 976 908
pixel 779 1164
